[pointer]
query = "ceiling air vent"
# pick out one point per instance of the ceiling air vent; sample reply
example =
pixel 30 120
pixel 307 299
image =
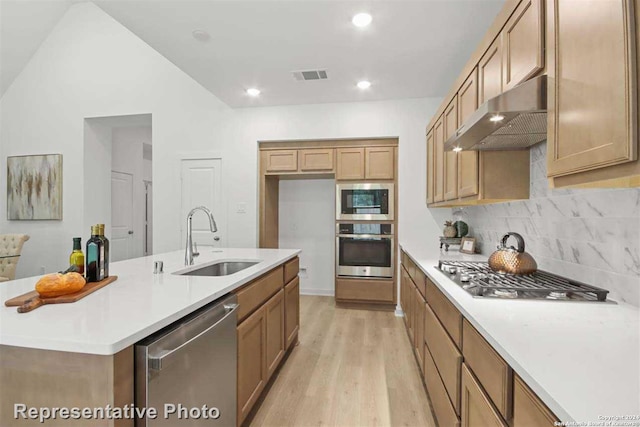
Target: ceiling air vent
pixel 310 75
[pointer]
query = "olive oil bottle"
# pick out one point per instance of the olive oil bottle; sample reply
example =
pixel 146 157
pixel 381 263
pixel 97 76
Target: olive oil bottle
pixel 77 256
pixel 95 256
pixel 105 242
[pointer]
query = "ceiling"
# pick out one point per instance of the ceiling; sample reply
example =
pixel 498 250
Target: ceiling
pixel 412 48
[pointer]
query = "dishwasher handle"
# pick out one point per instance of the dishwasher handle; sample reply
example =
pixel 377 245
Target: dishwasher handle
pixel 158 362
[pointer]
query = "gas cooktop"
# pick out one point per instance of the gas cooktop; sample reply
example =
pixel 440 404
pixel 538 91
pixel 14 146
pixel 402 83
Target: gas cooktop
pixel 480 281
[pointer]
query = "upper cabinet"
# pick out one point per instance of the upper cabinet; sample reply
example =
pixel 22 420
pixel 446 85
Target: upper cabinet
pixel 316 160
pixel 468 160
pixel 350 162
pixel 305 161
pixel 592 93
pixel 430 166
pixel 281 161
pixel 365 163
pixel 379 163
pixel 438 167
pixel 450 158
pixel 523 43
pixel 490 72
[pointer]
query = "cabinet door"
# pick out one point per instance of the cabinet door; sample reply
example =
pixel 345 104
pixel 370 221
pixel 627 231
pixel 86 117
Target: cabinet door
pixel 438 170
pixel 592 80
pixel 430 165
pixel 350 163
pixel 418 338
pixel 477 409
pixel 409 312
pixel 523 43
pixel 252 366
pixel 292 311
pixel 404 294
pixel 274 320
pixel 450 157
pixel 281 161
pixel 490 72
pixel 468 160
pixel 528 409
pixel 312 160
pixel 379 162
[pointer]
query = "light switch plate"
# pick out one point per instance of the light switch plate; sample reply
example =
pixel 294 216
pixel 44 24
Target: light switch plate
pixel 242 208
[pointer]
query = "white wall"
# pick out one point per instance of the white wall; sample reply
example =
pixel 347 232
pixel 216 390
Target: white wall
pixel 127 157
pixel 92 66
pixel 307 221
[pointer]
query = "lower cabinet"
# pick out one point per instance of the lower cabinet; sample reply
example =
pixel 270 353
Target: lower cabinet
pixel 252 361
pixel 419 306
pixel 528 409
pixel 266 332
pixel 292 311
pixel 443 410
pixel 477 409
pixel 274 341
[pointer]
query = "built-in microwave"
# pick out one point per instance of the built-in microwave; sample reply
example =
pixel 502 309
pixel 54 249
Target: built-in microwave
pixel 364 250
pixel 368 202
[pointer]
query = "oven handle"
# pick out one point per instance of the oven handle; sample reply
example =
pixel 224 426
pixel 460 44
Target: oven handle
pixel 367 236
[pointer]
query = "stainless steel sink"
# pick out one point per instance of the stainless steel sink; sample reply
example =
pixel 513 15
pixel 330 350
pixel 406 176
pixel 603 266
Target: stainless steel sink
pixel 223 268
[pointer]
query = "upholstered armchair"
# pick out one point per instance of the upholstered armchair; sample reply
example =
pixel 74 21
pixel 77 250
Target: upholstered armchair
pixel 10 244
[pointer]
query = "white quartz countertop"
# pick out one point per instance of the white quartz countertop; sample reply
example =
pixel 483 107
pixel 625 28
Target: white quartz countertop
pixel 581 358
pixel 138 304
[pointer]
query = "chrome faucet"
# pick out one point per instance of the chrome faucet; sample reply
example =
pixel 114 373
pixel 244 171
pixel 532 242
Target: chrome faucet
pixel 189 253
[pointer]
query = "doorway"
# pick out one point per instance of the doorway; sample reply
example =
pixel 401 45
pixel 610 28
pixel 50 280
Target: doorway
pixel 119 152
pixel 201 185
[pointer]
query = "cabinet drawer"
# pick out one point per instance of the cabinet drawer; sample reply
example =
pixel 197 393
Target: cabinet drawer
pixel 258 292
pixel 419 279
pixel 291 269
pixel 376 291
pixel 528 409
pixel 320 159
pixel 445 355
pixel 492 371
pixel 477 409
pixel 281 161
pixel 446 312
pixel 444 412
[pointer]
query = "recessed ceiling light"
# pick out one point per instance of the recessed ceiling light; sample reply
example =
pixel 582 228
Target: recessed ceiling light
pixel 364 84
pixel 252 91
pixel 457 149
pixel 361 19
pixel 201 35
pixel 497 118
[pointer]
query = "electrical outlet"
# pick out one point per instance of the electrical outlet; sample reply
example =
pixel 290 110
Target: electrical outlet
pixel 242 208
pixel 303 272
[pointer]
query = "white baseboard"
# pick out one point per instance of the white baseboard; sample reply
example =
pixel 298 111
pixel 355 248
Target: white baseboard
pixel 320 292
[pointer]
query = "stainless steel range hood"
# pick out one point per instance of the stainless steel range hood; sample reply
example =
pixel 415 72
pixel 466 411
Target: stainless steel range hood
pixel 516 119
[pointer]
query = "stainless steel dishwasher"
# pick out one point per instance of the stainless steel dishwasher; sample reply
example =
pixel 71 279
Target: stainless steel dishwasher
pixel 187 371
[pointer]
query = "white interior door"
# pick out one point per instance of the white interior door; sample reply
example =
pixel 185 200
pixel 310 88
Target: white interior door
pixel 202 186
pixel 121 247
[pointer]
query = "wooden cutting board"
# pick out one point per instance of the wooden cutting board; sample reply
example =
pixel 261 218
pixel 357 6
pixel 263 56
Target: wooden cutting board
pixel 32 300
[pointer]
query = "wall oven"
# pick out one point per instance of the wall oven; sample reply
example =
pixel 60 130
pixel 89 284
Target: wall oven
pixel 369 202
pixel 364 250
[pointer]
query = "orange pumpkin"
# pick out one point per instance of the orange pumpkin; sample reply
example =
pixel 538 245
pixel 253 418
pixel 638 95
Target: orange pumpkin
pixel 55 285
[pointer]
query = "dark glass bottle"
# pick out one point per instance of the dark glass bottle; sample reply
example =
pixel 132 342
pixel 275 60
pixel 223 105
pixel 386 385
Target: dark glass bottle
pixel 105 242
pixel 95 256
pixel 77 257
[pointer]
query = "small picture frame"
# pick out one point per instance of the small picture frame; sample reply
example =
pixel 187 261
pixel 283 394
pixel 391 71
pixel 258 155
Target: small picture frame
pixel 468 245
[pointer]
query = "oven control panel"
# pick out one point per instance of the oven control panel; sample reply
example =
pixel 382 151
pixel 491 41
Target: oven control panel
pixel 368 228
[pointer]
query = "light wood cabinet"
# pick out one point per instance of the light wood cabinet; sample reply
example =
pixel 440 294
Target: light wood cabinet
pixel 450 125
pixel 258 292
pixel 252 361
pixel 490 72
pixel 292 311
pixel 419 307
pixel 447 313
pixel 374 291
pixel 492 371
pixel 446 356
pixel 316 160
pixel 404 294
pixel 438 170
pixel 350 163
pixel 281 161
pixel 523 43
pixel 444 412
pixel 430 167
pixel 477 409
pixel 468 178
pixel 275 335
pixel 379 163
pixel 592 90
pixel 528 409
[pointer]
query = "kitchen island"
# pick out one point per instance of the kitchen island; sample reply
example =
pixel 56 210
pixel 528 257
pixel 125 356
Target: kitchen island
pixel 81 354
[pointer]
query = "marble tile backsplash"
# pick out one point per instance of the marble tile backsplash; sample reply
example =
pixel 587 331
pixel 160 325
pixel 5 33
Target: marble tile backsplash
pixel 590 235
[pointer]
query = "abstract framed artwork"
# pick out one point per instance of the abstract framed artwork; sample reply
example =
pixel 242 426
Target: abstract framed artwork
pixel 34 187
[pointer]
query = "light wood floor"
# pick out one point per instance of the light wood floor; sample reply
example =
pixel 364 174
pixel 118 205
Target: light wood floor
pixel 352 368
